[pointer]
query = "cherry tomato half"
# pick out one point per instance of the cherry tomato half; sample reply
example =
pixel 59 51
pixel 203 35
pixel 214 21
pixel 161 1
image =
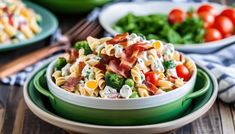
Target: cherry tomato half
pixel 230 13
pixel 176 16
pixel 224 25
pixel 212 34
pixel 151 77
pixel 207 8
pixel 183 72
pixel 207 18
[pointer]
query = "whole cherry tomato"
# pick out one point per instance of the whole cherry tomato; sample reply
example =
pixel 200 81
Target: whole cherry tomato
pixel 207 8
pixel 207 18
pixel 176 16
pixel 212 34
pixel 230 13
pixel 224 25
pixel 183 72
pixel 151 77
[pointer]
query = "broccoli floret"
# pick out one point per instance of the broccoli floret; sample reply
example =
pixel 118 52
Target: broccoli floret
pixel 169 64
pixel 83 45
pixel 60 63
pixel 114 80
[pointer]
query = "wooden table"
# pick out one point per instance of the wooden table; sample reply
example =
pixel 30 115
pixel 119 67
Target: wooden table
pixel 15 116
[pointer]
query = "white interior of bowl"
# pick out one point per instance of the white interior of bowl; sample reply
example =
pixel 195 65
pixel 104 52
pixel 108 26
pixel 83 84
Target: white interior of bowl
pixel 134 103
pixel 116 11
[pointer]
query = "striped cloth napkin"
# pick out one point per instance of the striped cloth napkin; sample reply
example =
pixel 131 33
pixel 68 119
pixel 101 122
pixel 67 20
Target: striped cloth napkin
pixel 221 63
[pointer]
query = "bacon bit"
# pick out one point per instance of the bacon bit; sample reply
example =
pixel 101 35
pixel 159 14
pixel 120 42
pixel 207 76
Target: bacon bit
pixel 81 65
pixel 181 58
pixel 70 84
pixel 10 20
pixel 114 66
pixel 103 62
pixel 119 39
pixel 172 79
pixel 151 88
pixel 73 55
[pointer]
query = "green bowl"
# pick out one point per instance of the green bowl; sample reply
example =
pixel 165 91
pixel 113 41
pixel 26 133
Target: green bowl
pixel 49 25
pixel 71 6
pixel 41 106
pixel 151 115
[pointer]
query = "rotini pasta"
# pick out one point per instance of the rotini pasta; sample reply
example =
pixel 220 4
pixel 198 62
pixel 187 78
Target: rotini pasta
pixel 99 76
pixel 165 85
pixel 136 74
pixel 142 90
pixel 114 68
pixel 59 80
pixel 17 22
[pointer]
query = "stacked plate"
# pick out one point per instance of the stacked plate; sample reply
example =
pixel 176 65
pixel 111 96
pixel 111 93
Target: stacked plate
pixel 48 24
pixel 41 106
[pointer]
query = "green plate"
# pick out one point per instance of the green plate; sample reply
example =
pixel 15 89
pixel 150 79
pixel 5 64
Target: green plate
pixel 44 103
pixel 40 105
pixel 48 24
pixel 71 6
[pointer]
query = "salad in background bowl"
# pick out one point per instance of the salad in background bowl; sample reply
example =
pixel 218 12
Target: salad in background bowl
pixel 115 80
pixel 192 27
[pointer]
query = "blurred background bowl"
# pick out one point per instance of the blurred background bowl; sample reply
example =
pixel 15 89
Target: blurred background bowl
pixel 71 6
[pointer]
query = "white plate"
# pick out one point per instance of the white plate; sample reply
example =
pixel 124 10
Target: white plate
pixel 116 11
pixel 101 129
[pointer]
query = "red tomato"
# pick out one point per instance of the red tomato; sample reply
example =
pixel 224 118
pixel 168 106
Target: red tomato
pixel 207 18
pixel 224 25
pixel 230 13
pixel 151 77
pixel 183 72
pixel 176 16
pixel 212 34
pixel 207 8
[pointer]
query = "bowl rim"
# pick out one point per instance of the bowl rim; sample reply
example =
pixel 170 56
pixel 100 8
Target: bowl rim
pixel 84 127
pixel 51 82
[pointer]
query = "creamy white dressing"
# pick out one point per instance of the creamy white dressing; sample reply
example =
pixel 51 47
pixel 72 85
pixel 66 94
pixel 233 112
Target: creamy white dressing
pixel 157 66
pixel 108 91
pixel 133 38
pixel 87 72
pixel 171 72
pixel 168 51
pixel 99 48
pixel 125 91
pixel 65 70
pixel 118 50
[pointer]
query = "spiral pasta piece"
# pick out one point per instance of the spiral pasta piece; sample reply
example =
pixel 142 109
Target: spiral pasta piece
pixel 165 85
pixel 99 76
pixel 136 74
pixel 59 80
pixel 142 90
pixel 93 42
pixel 109 50
pixel 91 59
pixel 179 82
pixel 190 65
pixel 152 54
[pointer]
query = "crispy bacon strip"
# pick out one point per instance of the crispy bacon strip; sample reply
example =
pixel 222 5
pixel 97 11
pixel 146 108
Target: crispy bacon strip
pixel 151 88
pixel 70 83
pixel 119 39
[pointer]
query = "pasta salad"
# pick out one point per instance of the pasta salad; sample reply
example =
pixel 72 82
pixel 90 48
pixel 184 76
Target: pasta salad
pixel 126 66
pixel 17 22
